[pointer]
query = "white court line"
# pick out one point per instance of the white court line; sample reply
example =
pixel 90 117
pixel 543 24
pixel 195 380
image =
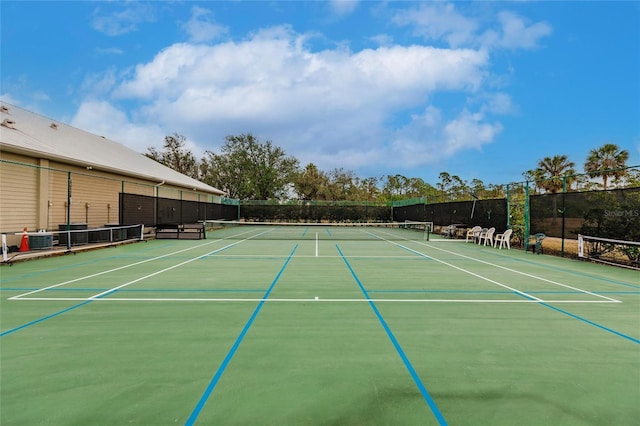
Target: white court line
pixel 97 297
pixel 111 270
pixel 20 296
pixel 522 293
pixel 143 299
pixel 111 290
pixel 524 273
pixel 497 266
pixel 277 256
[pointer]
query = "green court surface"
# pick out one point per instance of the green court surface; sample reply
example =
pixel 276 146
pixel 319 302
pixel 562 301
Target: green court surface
pixel 327 331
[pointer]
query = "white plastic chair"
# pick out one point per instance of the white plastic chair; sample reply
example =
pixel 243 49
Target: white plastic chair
pixel 487 237
pixel 473 233
pixel 481 235
pixel 449 231
pixel 504 238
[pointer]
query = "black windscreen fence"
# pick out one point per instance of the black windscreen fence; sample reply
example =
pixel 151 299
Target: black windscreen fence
pixel 314 212
pixel 485 213
pixel 416 212
pixel 137 209
pixel 607 214
pixel 151 211
pixel 169 211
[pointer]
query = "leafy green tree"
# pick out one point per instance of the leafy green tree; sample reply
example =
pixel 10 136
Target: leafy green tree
pixel 444 185
pixel 369 190
pixel 248 169
pixel 419 188
pixel 459 188
pixel 311 183
pixel 395 187
pixel 608 161
pixel 175 156
pixel 342 185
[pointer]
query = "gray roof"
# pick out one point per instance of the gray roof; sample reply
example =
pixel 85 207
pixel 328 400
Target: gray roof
pixel 32 134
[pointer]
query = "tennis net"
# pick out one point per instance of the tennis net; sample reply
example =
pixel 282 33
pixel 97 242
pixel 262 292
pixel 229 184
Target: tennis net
pixel 610 251
pixel 409 230
pixel 76 236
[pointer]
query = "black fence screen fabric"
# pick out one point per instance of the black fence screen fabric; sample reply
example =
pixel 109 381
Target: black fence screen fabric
pixel 169 211
pixel 136 209
pixel 485 213
pixel 415 212
pixel 608 214
pixel 314 212
pixel 151 211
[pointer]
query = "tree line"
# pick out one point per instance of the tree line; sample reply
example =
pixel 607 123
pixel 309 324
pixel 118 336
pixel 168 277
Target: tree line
pixel 248 169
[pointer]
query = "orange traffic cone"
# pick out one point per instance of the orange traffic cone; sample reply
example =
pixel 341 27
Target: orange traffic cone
pixel 24 244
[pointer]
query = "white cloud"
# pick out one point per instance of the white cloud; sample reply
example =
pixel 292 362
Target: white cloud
pixel 103 119
pixel 382 39
pixel 499 103
pixel 9 98
pixel 100 83
pixel 343 7
pixel 442 21
pixel 435 21
pixel 123 21
pixel 109 51
pixel 469 131
pixel 430 138
pixel 335 108
pixel 516 34
pixel 201 27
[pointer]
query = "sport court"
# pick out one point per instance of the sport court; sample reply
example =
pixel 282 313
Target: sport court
pixel 318 325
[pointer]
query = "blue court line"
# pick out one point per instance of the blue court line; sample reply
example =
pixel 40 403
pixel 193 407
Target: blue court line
pixel 214 381
pixel 568 271
pixel 44 318
pixel 633 339
pixel 595 324
pixel 396 344
pixel 51 316
pixel 504 292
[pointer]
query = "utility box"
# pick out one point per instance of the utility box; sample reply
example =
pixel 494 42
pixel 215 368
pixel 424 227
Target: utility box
pixel 77 236
pixel 41 241
pixel 117 234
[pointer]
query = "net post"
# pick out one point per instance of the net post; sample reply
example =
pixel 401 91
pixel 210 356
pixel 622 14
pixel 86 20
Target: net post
pixel 69 211
pixel 5 258
pixel 508 207
pixel 580 246
pixel 564 208
pixel 526 215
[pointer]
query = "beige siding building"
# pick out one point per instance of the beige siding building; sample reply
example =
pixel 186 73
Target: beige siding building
pixel 52 174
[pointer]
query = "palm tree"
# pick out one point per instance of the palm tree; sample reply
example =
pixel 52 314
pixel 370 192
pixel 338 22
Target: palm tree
pixel 552 174
pixel 552 170
pixel 607 161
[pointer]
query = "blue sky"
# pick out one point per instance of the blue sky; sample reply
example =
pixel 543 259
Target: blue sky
pixel 477 89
